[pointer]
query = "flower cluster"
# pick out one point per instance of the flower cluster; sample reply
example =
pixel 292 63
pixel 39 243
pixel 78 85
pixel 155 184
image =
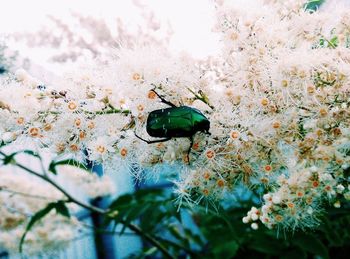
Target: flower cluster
pixel 289 70
pixel 277 100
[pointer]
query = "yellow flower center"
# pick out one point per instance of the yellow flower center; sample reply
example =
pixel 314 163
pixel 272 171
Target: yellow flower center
pixel 20 120
pixel 210 154
pixel 264 102
pixel 101 149
pixel 136 76
pixel 72 106
pixel 34 132
pixel 123 152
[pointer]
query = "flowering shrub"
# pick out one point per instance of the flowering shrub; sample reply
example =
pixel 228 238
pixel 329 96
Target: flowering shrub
pixel 277 100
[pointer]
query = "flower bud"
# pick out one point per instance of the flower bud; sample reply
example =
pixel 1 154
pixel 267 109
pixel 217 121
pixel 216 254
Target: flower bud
pixel 254 226
pixel 245 220
pixel 255 217
pixel 340 188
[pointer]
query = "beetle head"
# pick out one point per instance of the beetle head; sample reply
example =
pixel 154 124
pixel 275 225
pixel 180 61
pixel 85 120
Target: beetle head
pixel 204 127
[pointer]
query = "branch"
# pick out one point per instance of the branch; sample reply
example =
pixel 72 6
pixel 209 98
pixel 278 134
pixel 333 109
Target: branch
pixel 201 96
pixel 110 111
pixel 5 189
pixel 92 208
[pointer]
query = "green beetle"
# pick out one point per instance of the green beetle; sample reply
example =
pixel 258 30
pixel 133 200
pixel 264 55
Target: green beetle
pixel 175 122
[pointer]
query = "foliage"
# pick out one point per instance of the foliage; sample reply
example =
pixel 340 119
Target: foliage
pixel 220 233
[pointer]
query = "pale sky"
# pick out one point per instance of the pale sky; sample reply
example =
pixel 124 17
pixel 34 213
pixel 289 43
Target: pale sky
pixel 191 20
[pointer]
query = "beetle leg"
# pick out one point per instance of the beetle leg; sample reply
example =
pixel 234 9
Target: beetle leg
pixel 152 141
pixel 189 149
pixel 163 100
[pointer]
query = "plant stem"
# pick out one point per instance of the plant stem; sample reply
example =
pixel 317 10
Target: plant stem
pixel 5 189
pixel 110 111
pixel 201 97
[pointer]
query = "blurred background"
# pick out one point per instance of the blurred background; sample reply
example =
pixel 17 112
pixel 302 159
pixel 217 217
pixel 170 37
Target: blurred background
pixel 48 33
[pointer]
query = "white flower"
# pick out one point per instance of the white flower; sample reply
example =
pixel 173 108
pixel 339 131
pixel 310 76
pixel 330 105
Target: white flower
pixel 340 188
pixel 254 226
pixel 245 220
pixel 254 216
pixel 100 148
pixel 276 199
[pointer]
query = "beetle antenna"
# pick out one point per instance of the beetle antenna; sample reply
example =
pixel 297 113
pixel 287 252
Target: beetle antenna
pixel 163 100
pixel 140 137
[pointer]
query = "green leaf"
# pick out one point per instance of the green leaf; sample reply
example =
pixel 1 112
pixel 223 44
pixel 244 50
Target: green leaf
pixel 313 5
pixel 331 232
pixel 266 244
pixel 10 158
pixel 294 253
pixel 226 249
pixel 150 251
pixel 30 152
pixel 71 162
pixel 321 42
pixel 35 218
pixel 311 244
pixel 193 237
pixel 62 209
pixel 149 194
pixel 125 199
pixel 52 167
pixel 334 42
pixel 175 232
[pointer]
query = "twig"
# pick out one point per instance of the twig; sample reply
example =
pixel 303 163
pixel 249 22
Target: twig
pixel 5 189
pixel 201 97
